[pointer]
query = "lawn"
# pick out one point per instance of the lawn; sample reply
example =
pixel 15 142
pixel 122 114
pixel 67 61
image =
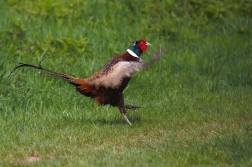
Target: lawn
pixel 196 101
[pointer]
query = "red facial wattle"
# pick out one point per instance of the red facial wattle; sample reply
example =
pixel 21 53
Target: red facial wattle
pixel 142 45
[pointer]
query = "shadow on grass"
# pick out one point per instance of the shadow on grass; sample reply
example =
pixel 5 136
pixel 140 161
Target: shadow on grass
pixel 133 119
pixel 103 121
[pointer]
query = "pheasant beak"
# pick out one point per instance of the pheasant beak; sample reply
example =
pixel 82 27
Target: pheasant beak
pixel 148 44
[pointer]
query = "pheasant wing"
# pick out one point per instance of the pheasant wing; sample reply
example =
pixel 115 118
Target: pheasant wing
pixel 121 70
pixel 115 75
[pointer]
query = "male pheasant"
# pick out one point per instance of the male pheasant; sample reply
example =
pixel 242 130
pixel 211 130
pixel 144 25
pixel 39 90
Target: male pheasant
pixel 107 84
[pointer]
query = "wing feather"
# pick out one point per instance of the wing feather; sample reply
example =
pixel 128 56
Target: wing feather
pixel 114 77
pixel 123 69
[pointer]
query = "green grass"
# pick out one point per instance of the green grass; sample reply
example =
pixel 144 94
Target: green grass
pixel 196 101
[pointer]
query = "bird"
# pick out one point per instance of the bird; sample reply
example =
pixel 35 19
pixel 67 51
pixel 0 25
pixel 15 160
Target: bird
pixel 106 85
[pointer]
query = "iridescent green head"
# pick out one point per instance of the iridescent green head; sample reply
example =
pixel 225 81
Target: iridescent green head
pixel 138 47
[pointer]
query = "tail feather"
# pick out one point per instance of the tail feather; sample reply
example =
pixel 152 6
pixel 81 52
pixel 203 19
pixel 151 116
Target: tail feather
pixel 72 80
pixel 81 85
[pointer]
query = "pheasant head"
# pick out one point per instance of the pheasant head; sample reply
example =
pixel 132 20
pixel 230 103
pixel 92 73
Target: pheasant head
pixel 138 47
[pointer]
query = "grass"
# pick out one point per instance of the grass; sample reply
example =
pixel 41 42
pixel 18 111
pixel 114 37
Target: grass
pixel 196 101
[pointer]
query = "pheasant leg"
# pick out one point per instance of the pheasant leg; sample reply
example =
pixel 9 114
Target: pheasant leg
pixel 121 106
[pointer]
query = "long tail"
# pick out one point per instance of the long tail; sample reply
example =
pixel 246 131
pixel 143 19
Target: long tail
pixel 72 80
pixel 81 84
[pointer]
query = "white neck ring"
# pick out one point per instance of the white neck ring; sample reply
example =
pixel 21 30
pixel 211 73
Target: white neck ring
pixel 132 53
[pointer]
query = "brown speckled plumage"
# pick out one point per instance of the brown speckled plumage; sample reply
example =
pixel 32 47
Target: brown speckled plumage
pixel 107 84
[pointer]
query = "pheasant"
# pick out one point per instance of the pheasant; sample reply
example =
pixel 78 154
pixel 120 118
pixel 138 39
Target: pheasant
pixel 107 84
